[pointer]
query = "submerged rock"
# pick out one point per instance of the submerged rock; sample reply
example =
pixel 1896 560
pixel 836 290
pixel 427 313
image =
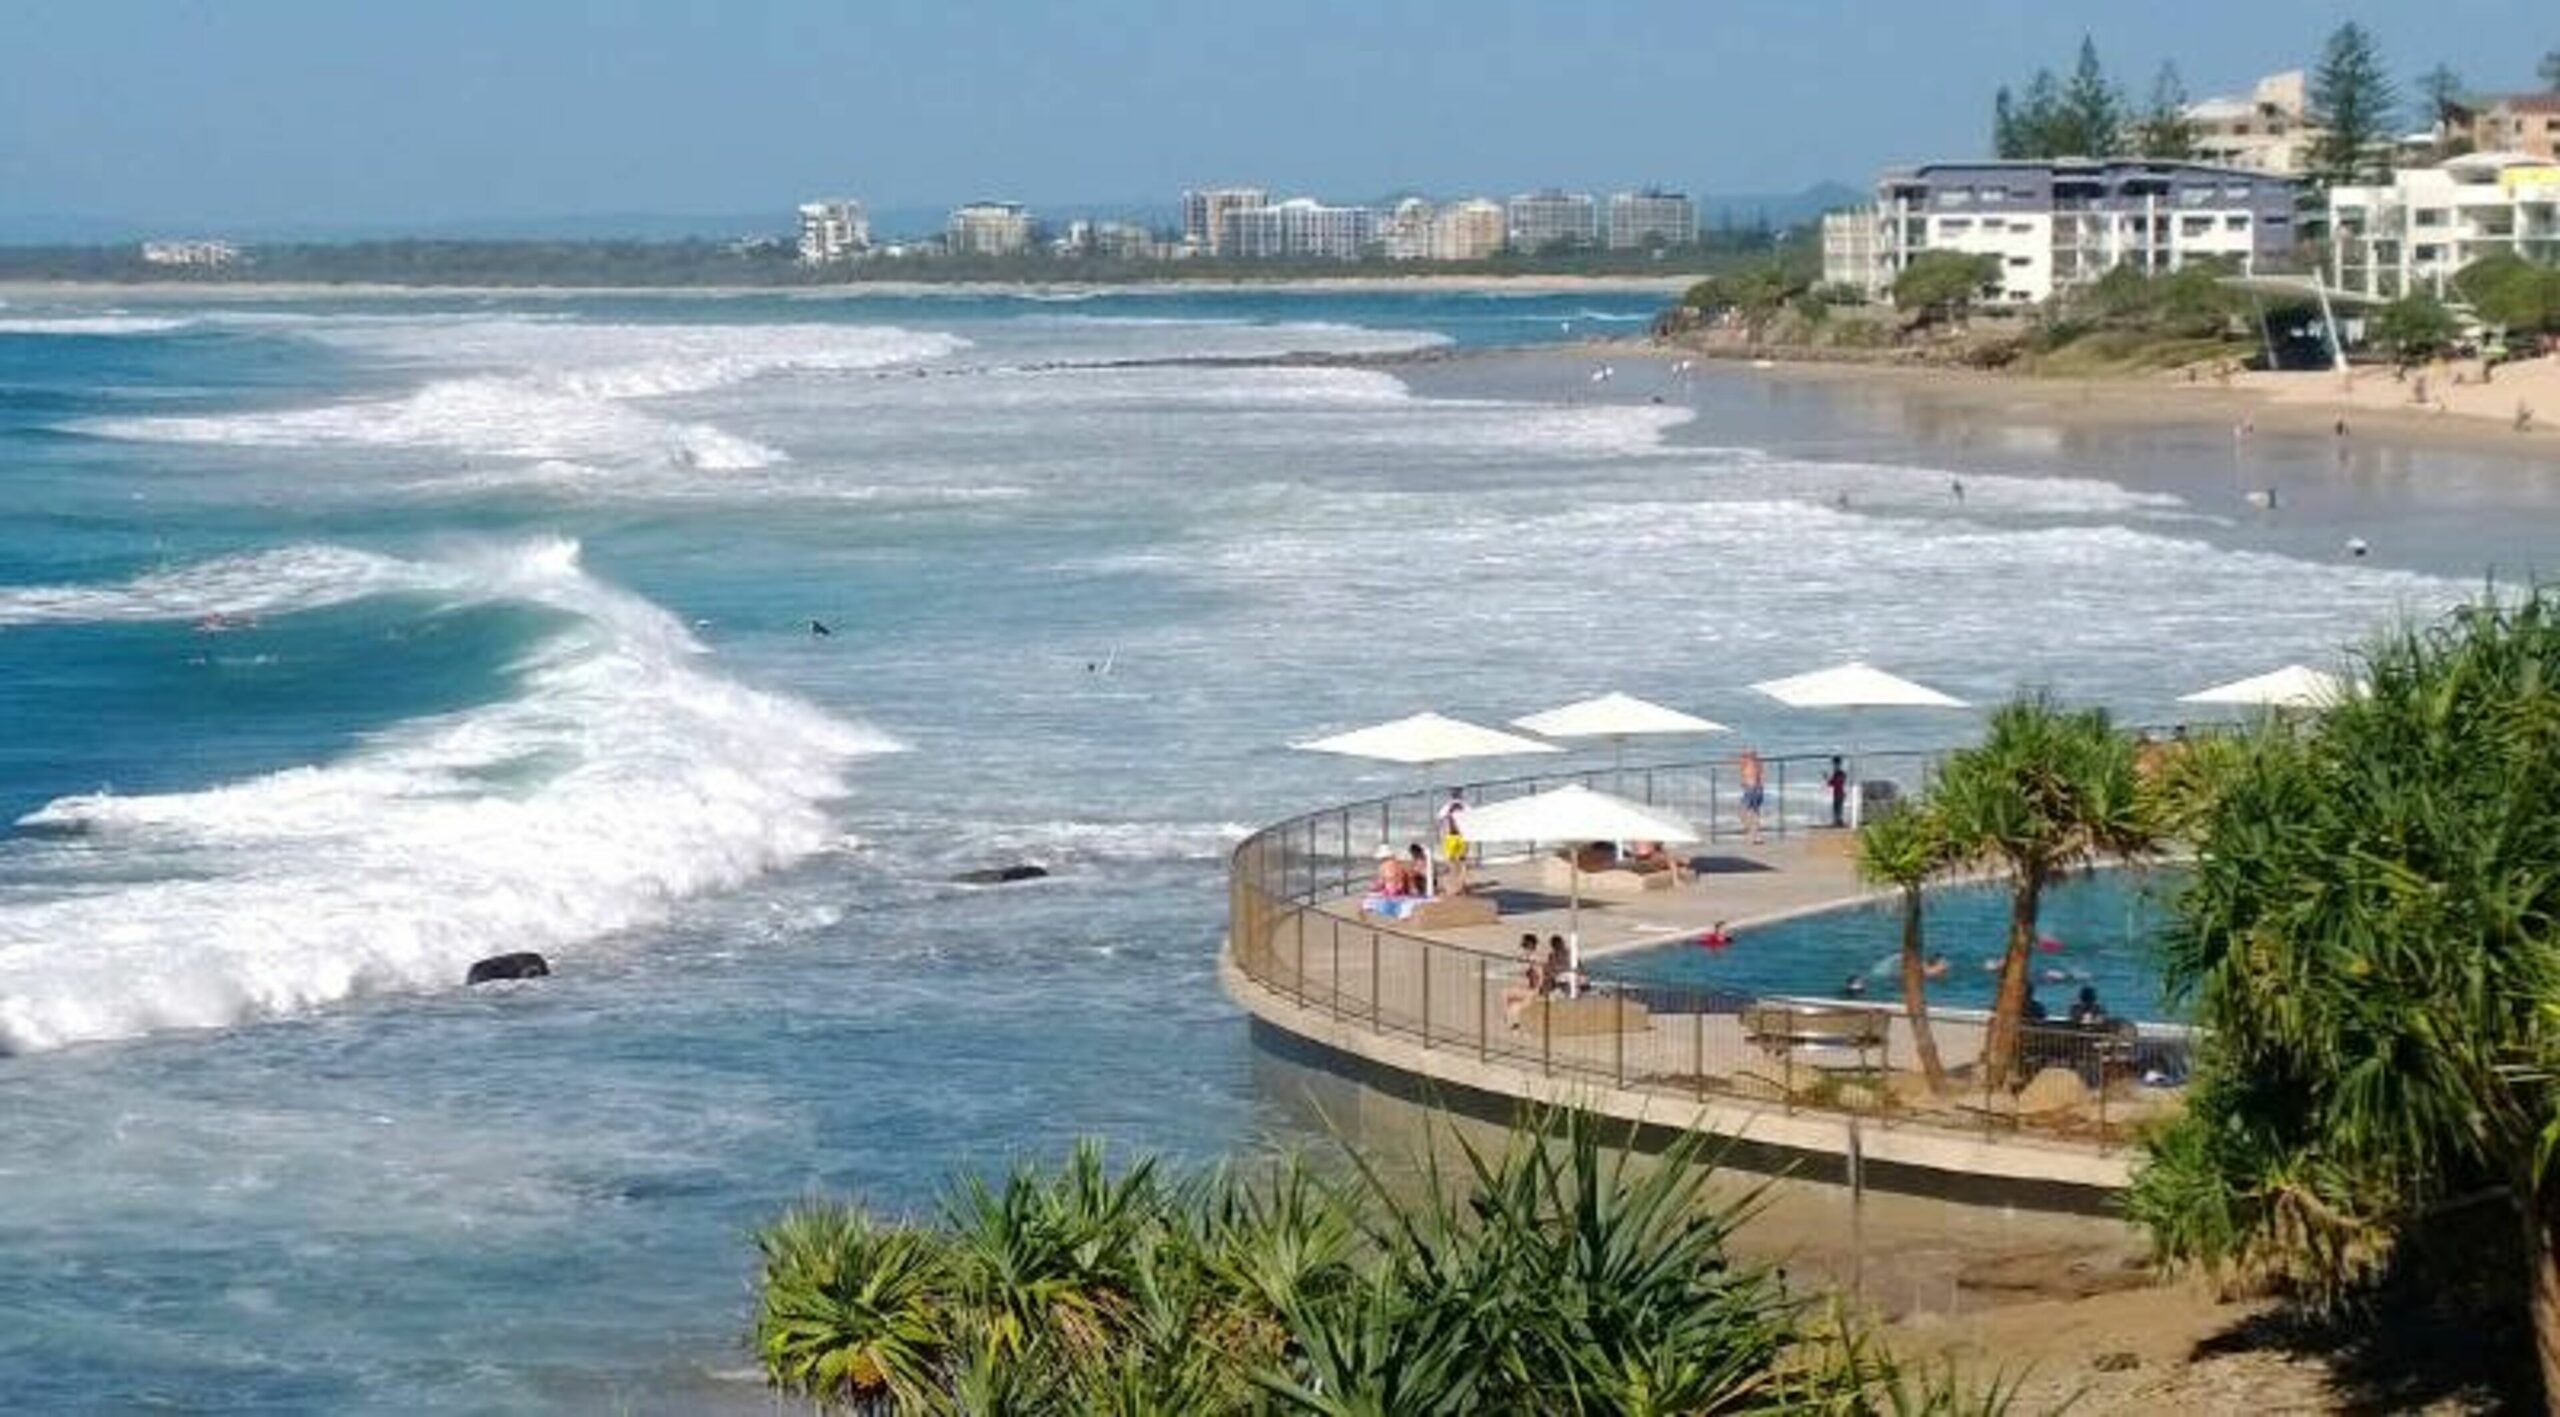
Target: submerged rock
pixel 999 875
pixel 523 964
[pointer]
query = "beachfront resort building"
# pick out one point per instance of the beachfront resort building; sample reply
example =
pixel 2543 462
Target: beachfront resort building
pixel 1849 252
pixel 202 255
pixel 990 229
pixel 2054 224
pixel 832 232
pixel 2526 123
pixel 2416 232
pixel 2268 130
pixel 1207 212
pixel 1543 220
pixel 1471 230
pixel 1651 217
pixel 1300 228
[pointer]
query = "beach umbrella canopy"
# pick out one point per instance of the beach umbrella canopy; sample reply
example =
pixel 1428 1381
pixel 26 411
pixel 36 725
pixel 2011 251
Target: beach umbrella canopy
pixel 1614 715
pixel 1576 814
pixel 2295 686
pixel 1853 686
pixel 1424 739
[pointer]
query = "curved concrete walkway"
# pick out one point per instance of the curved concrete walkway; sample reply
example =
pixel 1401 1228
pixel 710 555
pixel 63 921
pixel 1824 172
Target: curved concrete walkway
pixel 1421 1014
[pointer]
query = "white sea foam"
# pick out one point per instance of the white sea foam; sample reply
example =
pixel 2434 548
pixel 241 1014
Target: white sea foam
pixel 624 776
pixel 92 325
pixel 540 389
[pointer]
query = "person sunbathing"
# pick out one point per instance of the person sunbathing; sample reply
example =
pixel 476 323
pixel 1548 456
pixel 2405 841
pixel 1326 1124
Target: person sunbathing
pixel 1650 856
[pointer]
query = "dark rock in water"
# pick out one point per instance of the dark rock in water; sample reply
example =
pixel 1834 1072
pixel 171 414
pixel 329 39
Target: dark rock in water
pixel 524 964
pixel 999 875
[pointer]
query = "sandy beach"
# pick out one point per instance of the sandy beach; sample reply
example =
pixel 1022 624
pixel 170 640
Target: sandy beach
pixel 2471 414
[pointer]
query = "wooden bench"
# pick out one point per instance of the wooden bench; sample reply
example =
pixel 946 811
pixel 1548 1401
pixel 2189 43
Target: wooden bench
pixel 1822 1035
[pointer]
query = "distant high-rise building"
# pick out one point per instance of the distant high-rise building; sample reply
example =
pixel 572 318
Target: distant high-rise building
pixel 1471 230
pixel 212 255
pixel 1301 227
pixel 1207 212
pixel 1540 220
pixel 1404 234
pixel 1651 217
pixel 833 231
pixel 990 229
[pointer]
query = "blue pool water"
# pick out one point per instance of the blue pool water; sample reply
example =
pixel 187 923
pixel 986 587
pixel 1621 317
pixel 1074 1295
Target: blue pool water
pixel 2108 924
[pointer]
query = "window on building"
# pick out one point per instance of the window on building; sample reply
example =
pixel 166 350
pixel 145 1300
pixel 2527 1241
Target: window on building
pixel 1954 225
pixel 2237 221
pixel 2021 261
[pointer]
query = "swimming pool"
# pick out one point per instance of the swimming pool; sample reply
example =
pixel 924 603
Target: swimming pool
pixel 2109 923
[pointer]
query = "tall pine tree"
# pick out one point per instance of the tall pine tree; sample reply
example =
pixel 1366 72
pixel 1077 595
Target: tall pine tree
pixel 2352 98
pixel 2092 110
pixel 2165 130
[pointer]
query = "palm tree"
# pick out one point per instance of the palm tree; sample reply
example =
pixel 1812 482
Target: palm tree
pixel 1903 849
pixel 2046 790
pixel 2371 941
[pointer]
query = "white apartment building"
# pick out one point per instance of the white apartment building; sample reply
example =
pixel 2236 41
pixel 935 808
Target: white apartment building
pixel 2267 131
pixel 2052 225
pixel 210 255
pixel 833 231
pixel 1207 211
pixel 2420 229
pixel 1404 233
pixel 1651 217
pixel 1539 220
pixel 990 229
pixel 1300 227
pixel 1471 230
pixel 1849 241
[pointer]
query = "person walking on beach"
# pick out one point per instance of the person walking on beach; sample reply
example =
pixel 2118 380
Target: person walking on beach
pixel 1755 791
pixel 1838 781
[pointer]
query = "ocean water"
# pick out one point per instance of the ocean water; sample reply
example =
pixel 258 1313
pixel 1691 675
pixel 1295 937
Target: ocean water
pixel 343 643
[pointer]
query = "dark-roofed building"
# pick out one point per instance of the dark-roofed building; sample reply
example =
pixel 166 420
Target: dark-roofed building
pixel 2065 222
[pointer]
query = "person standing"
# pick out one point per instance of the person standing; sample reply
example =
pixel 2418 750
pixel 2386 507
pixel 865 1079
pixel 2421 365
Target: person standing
pixel 1453 841
pixel 1838 781
pixel 1755 791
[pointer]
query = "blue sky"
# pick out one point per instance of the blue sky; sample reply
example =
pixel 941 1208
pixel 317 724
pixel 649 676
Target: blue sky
pixel 344 111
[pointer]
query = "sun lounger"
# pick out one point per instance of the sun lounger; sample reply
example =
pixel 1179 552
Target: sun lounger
pixel 1555 873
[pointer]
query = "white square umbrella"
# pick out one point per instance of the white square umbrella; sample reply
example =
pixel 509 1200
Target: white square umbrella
pixel 2295 686
pixel 1853 686
pixel 1576 814
pixel 1424 740
pixel 1616 717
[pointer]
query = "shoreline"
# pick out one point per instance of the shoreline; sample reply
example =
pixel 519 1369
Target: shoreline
pixel 217 292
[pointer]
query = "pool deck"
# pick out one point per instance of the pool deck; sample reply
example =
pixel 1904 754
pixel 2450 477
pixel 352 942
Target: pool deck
pixel 1739 884
pixel 1423 1012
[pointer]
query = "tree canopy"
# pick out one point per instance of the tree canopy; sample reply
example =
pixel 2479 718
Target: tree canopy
pixel 2415 326
pixel 1944 282
pixel 2512 293
pixel 2371 945
pixel 2352 99
pixel 2083 118
pixel 2164 130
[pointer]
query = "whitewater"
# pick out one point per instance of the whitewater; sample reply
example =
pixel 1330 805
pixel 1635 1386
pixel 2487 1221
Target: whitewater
pixel 346 642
